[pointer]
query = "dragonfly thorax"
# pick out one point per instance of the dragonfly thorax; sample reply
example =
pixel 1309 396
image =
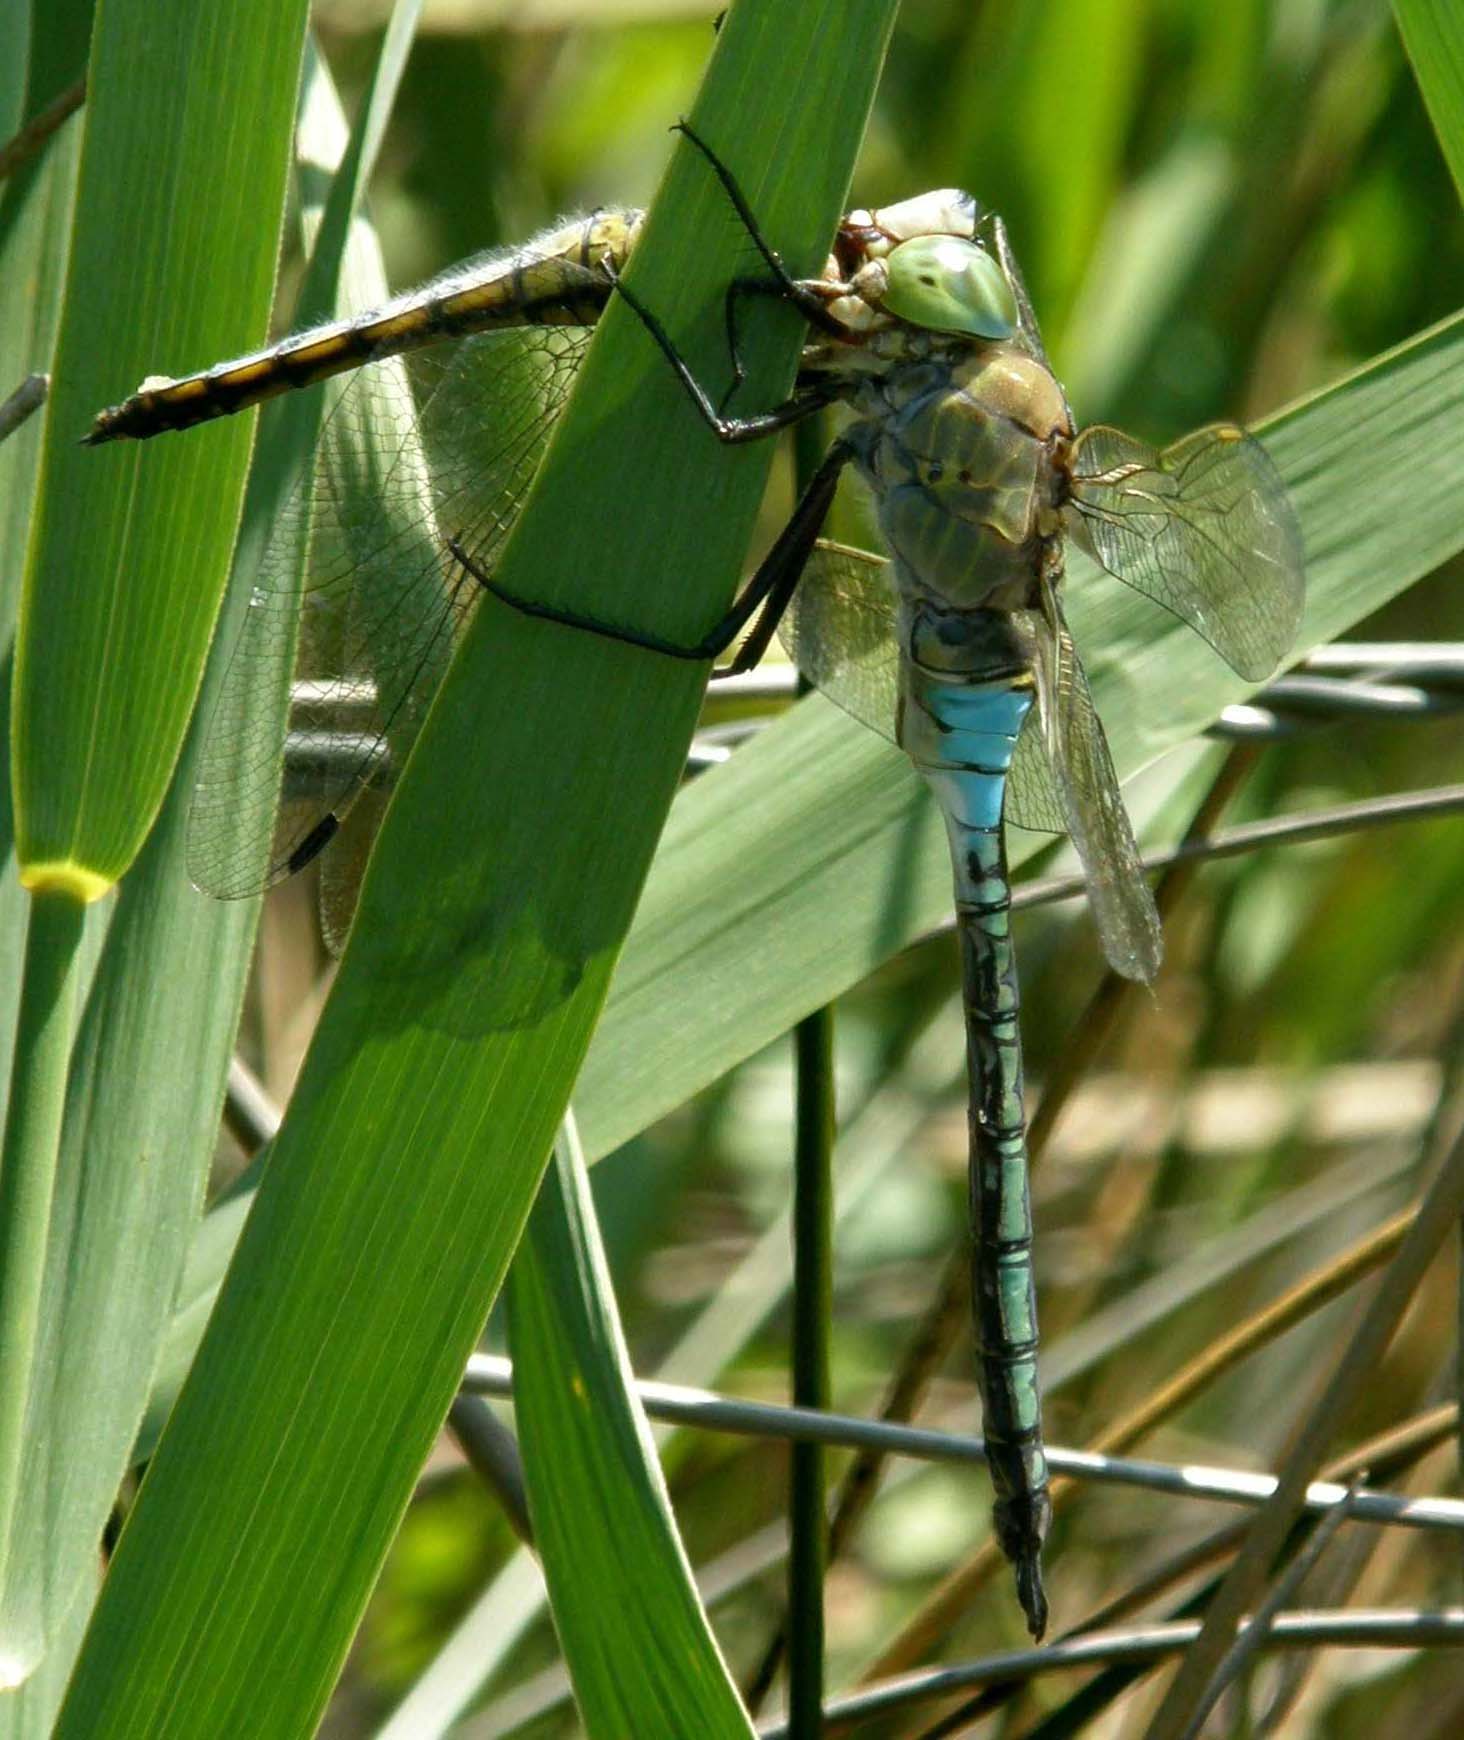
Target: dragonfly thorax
pixel 962 454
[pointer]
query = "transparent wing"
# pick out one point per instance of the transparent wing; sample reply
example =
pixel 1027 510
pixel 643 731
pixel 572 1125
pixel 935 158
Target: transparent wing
pixel 1091 803
pixel 991 231
pixel 1204 528
pixel 416 453
pixel 343 867
pixel 1032 798
pixel 840 630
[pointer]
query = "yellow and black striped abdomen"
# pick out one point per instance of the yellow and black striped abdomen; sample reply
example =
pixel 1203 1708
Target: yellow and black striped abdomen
pixel 557 280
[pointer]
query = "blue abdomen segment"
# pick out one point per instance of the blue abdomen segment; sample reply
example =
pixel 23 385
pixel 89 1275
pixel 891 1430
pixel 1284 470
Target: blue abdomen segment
pixel 962 738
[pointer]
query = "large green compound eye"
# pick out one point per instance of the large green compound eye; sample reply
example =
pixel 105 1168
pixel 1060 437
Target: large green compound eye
pixel 950 285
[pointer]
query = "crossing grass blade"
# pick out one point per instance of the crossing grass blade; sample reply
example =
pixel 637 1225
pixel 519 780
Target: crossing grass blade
pixel 494 908
pixel 619 1583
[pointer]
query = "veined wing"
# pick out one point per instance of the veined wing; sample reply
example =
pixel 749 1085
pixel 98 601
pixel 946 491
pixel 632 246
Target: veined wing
pixel 416 453
pixel 1092 805
pixel 991 232
pixel 840 630
pixel 1204 528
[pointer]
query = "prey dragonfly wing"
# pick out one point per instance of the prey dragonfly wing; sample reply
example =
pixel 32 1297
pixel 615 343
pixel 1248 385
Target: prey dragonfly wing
pixel 423 460
pixel 956 647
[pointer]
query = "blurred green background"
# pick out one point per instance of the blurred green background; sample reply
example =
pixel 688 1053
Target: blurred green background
pixel 1219 208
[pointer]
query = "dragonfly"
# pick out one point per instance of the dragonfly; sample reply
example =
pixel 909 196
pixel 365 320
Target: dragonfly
pixel 955 646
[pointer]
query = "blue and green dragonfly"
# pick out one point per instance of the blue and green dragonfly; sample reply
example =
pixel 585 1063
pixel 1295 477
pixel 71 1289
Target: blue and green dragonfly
pixel 956 646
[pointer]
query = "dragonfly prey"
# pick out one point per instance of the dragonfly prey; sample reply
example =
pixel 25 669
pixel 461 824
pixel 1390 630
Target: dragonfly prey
pixel 956 647
pixel 429 446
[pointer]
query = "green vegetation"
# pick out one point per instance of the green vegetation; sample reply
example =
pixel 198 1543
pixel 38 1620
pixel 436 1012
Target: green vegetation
pixel 1244 210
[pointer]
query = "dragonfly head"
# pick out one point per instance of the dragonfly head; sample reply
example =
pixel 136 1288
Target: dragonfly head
pixel 921 262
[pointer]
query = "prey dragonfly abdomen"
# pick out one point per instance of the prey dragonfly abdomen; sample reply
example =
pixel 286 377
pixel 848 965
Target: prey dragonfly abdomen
pixel 558 280
pixel 433 429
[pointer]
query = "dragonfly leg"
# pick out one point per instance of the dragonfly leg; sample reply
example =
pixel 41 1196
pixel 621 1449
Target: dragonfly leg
pixel 737 291
pixel 766 596
pixel 802 295
pixel 570 618
pixel 733 430
pixel 767 592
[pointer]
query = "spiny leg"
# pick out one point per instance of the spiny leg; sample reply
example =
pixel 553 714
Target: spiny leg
pixel 771 588
pixel 768 591
pixel 741 289
pixel 801 295
pixel 733 430
pixel 809 298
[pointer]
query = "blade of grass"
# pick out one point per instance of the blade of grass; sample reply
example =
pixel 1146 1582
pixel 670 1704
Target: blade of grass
pixel 187 133
pixel 1433 34
pixel 61 747
pixel 35 228
pixel 868 1147
pixel 29 1711
pixel 35 208
pixel 495 905
pixel 619 1583
pixel 119 1233
pixel 27 1184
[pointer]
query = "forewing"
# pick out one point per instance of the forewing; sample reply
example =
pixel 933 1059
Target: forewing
pixel 415 454
pixel 1092 806
pixel 840 630
pixel 1204 528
